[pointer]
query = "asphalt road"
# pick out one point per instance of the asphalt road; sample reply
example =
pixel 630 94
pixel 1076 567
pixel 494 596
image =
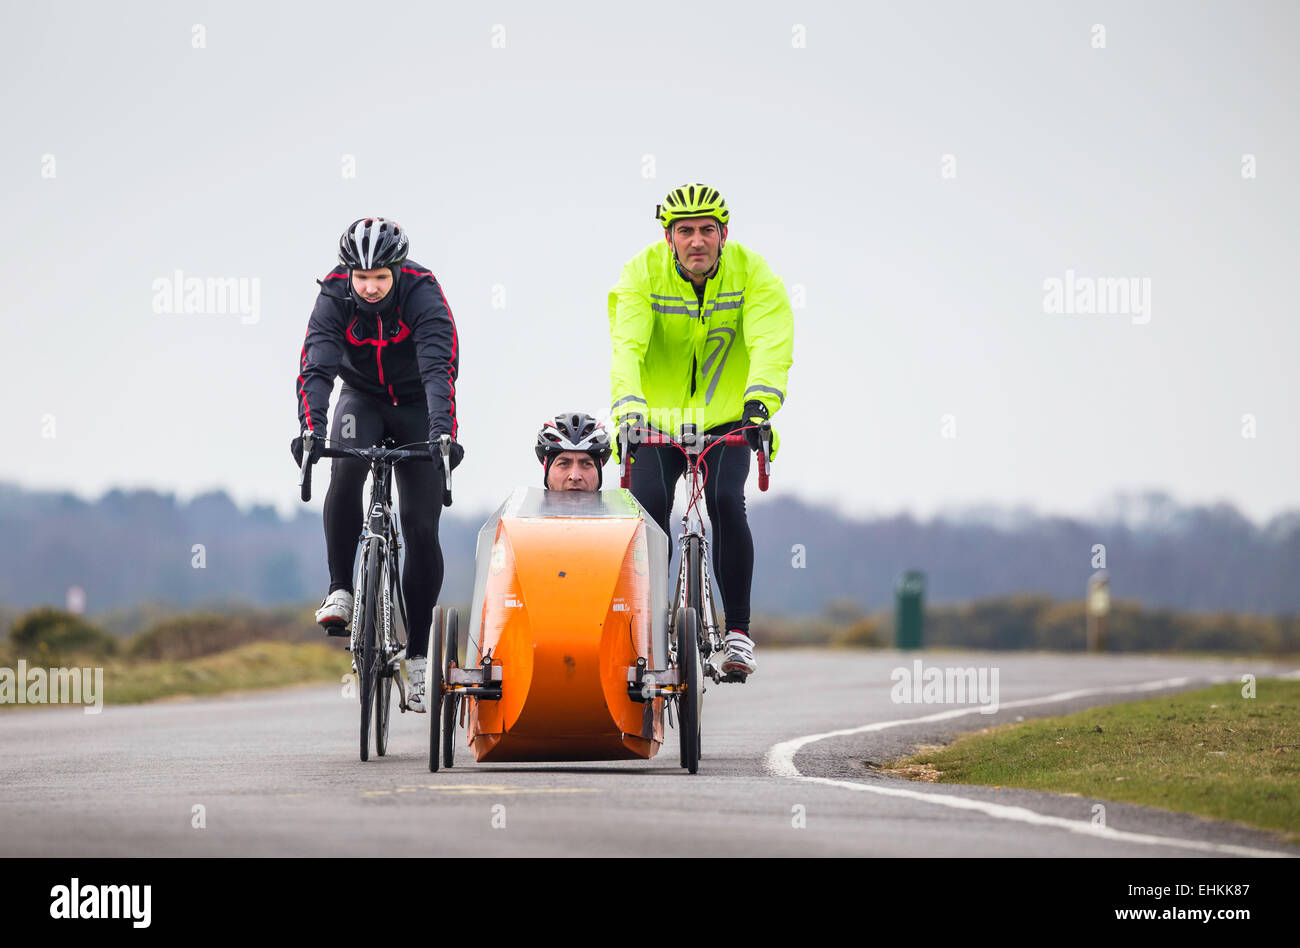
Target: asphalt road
pixel 277 774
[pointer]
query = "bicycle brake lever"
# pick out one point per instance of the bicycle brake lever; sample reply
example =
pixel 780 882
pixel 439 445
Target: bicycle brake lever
pixel 624 462
pixel 304 475
pixel 444 448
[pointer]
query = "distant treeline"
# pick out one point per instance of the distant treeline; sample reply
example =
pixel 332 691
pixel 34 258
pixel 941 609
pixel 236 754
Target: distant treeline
pixel 49 636
pixel 132 547
pixel 1037 622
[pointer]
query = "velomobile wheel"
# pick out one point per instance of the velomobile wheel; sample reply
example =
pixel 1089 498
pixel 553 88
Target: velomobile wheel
pixel 433 685
pixel 450 660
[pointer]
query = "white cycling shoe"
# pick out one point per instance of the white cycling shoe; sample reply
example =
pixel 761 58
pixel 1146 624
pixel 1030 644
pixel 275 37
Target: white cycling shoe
pixel 739 659
pixel 335 612
pixel 415 679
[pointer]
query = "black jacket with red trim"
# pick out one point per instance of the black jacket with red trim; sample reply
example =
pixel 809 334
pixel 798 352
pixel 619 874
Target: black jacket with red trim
pixel 411 354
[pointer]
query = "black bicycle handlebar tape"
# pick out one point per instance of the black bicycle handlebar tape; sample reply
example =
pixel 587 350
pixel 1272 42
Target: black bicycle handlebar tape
pixel 444 451
pixel 395 454
pixel 304 478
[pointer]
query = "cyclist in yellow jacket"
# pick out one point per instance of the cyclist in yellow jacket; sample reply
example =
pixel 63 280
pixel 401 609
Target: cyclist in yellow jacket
pixel 702 332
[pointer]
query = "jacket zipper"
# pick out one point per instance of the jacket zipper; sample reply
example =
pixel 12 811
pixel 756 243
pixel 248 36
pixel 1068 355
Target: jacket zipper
pixel 379 356
pixel 699 311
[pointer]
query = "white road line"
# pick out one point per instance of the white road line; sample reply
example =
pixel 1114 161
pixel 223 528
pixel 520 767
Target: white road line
pixel 780 762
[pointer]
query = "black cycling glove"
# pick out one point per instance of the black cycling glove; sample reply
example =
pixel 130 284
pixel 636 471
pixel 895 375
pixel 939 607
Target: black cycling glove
pixel 755 414
pixel 295 448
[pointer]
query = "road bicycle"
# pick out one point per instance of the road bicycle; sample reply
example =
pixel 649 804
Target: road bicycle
pixel 697 639
pixel 377 645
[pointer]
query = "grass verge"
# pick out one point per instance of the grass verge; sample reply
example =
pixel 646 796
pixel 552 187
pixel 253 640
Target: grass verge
pixel 1213 753
pixel 249 667
pixel 253 666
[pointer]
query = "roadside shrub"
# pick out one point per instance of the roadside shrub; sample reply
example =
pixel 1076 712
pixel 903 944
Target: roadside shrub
pixel 861 633
pixel 204 633
pixel 46 636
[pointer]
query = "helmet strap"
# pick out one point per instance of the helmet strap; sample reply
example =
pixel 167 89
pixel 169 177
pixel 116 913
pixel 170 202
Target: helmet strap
pixel 687 275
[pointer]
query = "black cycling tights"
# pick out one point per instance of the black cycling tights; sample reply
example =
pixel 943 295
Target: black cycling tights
pixel 419 488
pixel 655 472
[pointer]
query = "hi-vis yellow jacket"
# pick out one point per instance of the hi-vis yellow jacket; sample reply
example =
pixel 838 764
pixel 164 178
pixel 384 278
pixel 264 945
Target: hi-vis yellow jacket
pixel 675 361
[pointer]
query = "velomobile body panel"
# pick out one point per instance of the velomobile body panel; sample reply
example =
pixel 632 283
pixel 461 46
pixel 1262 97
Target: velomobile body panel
pixel 570 590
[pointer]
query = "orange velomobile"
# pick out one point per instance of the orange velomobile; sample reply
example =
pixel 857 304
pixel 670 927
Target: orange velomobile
pixel 570 590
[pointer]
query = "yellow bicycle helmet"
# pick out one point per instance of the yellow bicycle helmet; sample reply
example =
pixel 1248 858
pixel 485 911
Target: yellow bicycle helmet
pixel 692 200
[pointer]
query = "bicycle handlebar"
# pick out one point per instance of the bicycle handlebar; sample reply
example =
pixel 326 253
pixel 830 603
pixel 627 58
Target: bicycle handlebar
pixel 699 442
pixel 378 452
pixel 660 440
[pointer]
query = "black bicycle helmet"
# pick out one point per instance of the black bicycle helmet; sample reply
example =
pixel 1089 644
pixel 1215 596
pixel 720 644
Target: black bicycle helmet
pixel 573 431
pixel 371 243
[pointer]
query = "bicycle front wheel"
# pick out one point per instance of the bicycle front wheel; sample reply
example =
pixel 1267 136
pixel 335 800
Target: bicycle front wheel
pixel 390 601
pixel 689 692
pixel 384 677
pixel 695 567
pixel 368 647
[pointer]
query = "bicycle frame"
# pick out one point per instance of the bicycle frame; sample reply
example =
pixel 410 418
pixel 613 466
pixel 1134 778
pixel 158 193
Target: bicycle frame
pixel 380 528
pixel 695 583
pixel 694 544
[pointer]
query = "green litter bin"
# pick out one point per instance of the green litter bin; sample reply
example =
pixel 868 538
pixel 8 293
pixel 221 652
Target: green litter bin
pixel 909 609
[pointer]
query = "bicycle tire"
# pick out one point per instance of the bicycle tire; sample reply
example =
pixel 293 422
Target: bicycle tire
pixel 688 695
pixel 384 691
pixel 694 592
pixel 451 659
pixel 433 685
pixel 695 599
pixel 367 664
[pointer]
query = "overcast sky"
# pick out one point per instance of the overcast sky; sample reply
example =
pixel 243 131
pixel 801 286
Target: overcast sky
pixel 916 173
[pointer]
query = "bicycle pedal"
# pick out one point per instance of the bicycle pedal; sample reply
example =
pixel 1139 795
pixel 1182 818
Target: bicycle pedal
pixel 338 631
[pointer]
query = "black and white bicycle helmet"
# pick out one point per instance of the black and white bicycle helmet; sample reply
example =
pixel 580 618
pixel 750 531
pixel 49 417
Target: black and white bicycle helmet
pixel 573 431
pixel 371 243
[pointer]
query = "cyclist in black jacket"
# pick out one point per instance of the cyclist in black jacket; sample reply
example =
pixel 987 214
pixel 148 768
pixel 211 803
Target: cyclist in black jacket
pixel 382 323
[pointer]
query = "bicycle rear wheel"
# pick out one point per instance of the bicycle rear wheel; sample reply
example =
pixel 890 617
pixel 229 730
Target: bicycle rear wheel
pixel 433 685
pixel 368 659
pixel 449 702
pixel 689 694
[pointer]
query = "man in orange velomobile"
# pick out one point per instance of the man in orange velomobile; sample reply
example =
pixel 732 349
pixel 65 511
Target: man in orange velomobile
pixel 570 591
pixel 573 448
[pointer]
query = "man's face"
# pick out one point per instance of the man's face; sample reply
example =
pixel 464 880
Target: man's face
pixel 372 285
pixel 698 241
pixel 572 470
